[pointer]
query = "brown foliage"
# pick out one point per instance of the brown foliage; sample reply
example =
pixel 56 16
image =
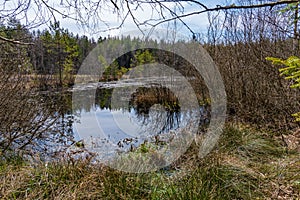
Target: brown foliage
pixel 27 121
pixel 239 44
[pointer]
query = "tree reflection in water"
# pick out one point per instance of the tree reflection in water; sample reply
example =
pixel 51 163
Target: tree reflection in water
pixel 154 109
pixel 157 108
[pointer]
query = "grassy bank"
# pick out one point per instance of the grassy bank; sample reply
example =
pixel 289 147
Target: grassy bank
pixel 246 164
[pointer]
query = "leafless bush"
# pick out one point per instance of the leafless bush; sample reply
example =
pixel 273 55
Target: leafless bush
pixel 28 124
pixel 239 43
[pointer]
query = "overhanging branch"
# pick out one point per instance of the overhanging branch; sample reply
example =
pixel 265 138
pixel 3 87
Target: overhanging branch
pixel 14 41
pixel 230 7
pixel 233 6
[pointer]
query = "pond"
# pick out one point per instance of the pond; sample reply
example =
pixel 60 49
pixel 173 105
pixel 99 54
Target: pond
pixel 119 116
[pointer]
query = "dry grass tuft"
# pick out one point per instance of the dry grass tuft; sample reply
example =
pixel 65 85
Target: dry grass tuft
pixel 247 164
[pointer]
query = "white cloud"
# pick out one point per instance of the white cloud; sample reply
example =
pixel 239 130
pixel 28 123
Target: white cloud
pixel 198 23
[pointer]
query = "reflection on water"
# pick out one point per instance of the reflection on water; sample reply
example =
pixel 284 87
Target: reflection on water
pixel 148 113
pixel 156 106
pixel 118 117
pixel 122 122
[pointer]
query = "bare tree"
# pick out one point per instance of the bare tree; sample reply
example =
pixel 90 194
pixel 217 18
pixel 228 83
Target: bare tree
pixel 90 14
pixel 28 121
pixel 239 41
pixel 25 122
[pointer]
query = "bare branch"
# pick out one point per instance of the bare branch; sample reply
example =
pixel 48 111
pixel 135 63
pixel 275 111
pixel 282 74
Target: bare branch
pixel 230 7
pixel 14 41
pixel 271 4
pixel 115 5
pixel 175 14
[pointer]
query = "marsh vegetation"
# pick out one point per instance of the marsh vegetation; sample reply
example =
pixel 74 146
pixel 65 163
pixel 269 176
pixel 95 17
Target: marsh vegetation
pixel 42 154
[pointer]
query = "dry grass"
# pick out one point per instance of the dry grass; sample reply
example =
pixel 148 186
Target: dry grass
pixel 247 164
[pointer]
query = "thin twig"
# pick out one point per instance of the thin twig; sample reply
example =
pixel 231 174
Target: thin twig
pixel 14 41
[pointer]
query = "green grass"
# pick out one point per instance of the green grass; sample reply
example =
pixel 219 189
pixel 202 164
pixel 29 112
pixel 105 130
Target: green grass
pixel 246 164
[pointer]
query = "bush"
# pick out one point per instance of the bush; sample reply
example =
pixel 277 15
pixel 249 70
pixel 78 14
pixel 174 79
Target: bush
pixel 291 71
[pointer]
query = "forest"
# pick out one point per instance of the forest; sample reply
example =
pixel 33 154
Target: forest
pixel 255 46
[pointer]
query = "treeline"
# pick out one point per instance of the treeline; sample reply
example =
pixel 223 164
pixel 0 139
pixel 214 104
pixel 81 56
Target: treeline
pixel 55 54
pixel 237 40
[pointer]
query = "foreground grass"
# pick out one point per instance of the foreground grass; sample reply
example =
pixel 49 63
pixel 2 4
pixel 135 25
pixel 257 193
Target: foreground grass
pixel 247 164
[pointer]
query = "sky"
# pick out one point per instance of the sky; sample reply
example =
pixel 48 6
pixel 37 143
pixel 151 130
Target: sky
pixel 198 23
